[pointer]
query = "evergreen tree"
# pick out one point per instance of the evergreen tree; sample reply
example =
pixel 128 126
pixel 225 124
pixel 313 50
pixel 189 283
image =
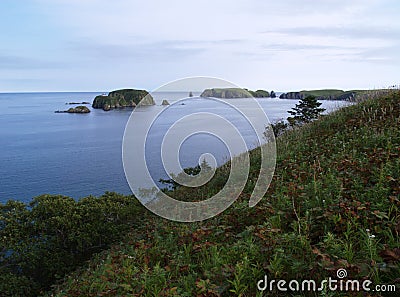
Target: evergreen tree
pixel 307 110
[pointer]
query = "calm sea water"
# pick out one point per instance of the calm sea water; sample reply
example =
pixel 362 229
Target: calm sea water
pixel 80 154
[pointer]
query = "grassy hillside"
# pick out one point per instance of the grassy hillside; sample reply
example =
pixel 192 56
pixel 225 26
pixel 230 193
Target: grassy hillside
pixel 335 94
pixel 323 92
pixel 333 203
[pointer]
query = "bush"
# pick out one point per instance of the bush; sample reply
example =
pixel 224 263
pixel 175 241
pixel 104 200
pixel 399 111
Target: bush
pixel 307 110
pixel 42 241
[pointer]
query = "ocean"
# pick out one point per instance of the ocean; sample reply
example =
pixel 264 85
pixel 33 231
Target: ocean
pixel 77 155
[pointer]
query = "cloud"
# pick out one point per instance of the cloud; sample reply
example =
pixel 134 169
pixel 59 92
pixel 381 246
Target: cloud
pixel 147 50
pixel 100 44
pixel 382 33
pixel 21 62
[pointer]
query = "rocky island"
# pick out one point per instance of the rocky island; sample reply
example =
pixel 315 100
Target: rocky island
pixel 234 93
pixel 78 109
pixel 123 98
pixel 76 103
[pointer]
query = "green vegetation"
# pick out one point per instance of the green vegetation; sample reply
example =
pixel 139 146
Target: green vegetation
pixel 233 93
pixel 307 110
pixel 323 93
pixel 259 93
pixel 123 98
pixel 78 109
pixel 333 203
pixel 53 235
pixel 333 94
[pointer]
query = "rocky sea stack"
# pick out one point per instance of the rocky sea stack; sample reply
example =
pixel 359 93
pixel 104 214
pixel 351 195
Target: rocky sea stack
pixel 165 102
pixel 123 98
pixel 78 109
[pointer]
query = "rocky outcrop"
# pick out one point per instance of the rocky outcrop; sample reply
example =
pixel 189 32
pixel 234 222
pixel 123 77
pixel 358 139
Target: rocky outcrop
pixel 76 103
pixel 78 109
pixel 123 98
pixel 292 95
pixel 165 102
pixel 233 93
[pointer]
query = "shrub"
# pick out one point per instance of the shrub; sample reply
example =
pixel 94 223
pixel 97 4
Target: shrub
pixel 42 241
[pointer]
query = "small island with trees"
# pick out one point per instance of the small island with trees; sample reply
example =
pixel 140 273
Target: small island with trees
pixel 234 93
pixel 78 109
pixel 123 98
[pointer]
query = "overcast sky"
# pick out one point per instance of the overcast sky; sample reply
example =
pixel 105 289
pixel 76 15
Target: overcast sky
pixel 101 45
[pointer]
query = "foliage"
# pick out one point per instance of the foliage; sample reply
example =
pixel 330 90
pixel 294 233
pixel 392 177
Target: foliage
pixel 192 171
pixel 42 241
pixel 279 127
pixel 307 110
pixel 323 93
pixel 234 93
pixel 260 94
pixel 123 98
pixel 334 94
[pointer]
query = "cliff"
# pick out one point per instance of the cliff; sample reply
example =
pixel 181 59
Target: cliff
pixel 123 98
pixel 325 94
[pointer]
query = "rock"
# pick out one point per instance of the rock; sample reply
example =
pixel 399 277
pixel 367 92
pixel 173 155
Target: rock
pixel 123 98
pixel 76 103
pixel 165 102
pixel 79 109
pixel 292 95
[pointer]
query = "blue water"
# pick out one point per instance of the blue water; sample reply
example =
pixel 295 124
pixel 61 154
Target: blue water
pixel 80 154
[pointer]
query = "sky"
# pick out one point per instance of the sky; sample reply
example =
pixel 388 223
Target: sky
pixel 287 45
